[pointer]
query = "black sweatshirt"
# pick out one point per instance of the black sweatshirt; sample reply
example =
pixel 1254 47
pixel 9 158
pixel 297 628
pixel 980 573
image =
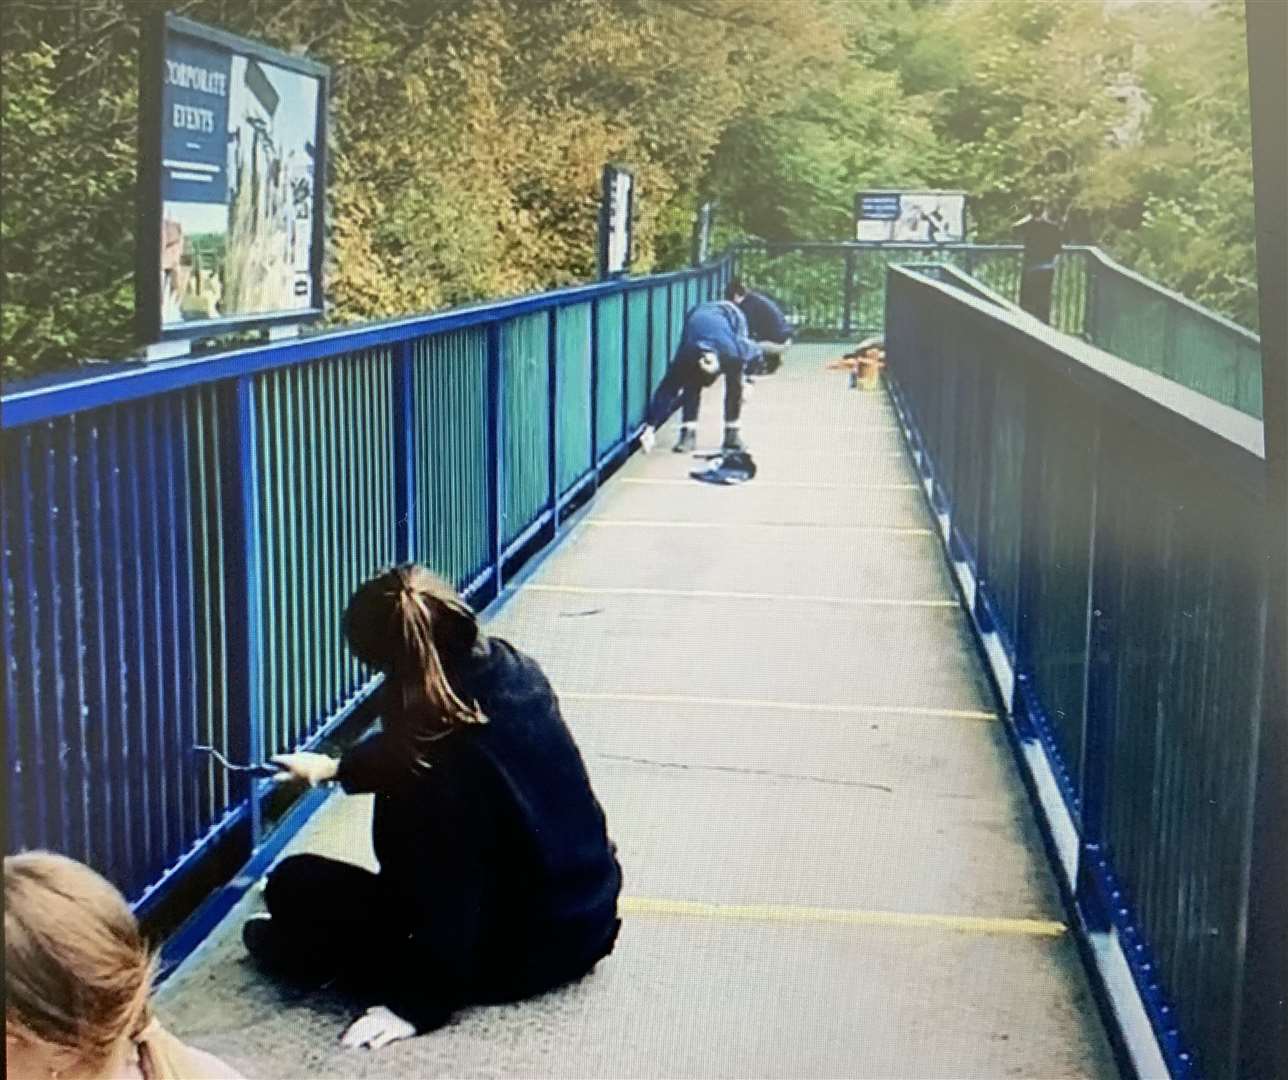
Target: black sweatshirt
pixel 497 854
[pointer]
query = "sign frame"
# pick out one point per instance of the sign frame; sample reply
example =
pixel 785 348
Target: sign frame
pixel 158 29
pixel 611 217
pixel 894 197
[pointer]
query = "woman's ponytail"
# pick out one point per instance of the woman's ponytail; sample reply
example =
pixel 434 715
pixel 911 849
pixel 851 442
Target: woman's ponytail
pixel 417 629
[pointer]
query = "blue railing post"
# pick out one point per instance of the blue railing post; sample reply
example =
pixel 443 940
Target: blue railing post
pixel 552 361
pixel 404 434
pixel 626 366
pixel 648 346
pixel 239 463
pixel 1026 601
pixel 1099 698
pixel 594 394
pixel 495 456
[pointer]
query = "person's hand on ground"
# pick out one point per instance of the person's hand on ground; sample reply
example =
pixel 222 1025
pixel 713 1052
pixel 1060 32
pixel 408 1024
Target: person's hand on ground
pixel 377 1027
pixel 648 439
pixel 313 769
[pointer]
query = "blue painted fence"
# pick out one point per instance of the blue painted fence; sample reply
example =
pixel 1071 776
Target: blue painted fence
pixel 1108 526
pixel 837 290
pixel 179 541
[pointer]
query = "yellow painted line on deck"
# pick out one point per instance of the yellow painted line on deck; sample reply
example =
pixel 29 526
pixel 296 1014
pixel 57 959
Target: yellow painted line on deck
pixel 789 913
pixel 929 712
pixel 714 594
pixel 658 482
pixel 629 523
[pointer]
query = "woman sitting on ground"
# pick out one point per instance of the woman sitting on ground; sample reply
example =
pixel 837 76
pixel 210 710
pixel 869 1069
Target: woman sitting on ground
pixel 78 982
pixel 497 878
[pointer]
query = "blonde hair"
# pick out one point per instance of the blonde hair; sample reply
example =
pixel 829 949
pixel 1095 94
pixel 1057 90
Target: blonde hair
pixel 412 625
pixel 78 972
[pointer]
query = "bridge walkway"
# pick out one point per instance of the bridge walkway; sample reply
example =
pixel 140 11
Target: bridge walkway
pixel 831 866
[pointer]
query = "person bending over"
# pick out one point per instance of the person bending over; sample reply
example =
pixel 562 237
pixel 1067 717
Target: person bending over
pixel 714 341
pixel 766 325
pixel 78 982
pixel 497 878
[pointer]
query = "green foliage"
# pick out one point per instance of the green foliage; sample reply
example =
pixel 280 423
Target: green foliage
pixel 468 138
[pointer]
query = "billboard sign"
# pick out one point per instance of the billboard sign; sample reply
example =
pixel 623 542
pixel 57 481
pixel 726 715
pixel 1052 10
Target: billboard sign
pixel 617 204
pixel 232 167
pixel 910 217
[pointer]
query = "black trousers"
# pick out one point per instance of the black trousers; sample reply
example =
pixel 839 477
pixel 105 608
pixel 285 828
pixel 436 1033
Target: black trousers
pixel 685 380
pixel 334 918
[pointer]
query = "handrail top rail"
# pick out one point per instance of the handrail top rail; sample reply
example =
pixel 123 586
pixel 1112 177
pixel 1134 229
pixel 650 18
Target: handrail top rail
pixel 912 245
pixel 1231 437
pixel 1225 321
pixel 969 283
pixel 59 394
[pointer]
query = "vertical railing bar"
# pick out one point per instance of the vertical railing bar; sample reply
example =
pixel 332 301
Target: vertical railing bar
pixel 331 631
pixel 204 775
pixel 185 622
pixel 286 563
pixel 55 733
pixel 156 578
pixel 79 776
pixel 97 714
pixel 116 529
pixel 1098 697
pixel 626 366
pixel 308 583
pixel 142 750
pixel 594 394
pixel 324 641
pixel 34 782
pixel 178 714
pixel 404 433
pixel 496 448
pixel 552 414
pixel 223 666
pixel 16 823
pixel 245 583
pixel 277 583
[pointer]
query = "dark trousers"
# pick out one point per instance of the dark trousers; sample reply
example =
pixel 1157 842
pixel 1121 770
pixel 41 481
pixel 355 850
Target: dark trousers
pixel 683 384
pixel 333 918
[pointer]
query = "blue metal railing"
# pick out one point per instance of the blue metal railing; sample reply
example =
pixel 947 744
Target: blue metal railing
pixel 837 290
pixel 179 541
pixel 1107 526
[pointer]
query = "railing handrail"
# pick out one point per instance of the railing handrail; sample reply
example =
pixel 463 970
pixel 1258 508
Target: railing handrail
pixel 51 396
pixel 1223 435
pixel 899 245
pixel 1251 337
pixel 964 281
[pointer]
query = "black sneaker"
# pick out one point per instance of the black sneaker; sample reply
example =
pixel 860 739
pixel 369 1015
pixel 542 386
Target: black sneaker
pixel 687 442
pixel 732 440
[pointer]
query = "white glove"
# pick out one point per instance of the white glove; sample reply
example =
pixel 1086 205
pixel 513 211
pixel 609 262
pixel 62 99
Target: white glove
pixel 312 768
pixel 648 439
pixel 375 1028
pixel 709 362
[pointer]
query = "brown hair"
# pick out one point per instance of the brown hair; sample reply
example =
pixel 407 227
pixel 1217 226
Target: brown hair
pixel 413 626
pixel 78 972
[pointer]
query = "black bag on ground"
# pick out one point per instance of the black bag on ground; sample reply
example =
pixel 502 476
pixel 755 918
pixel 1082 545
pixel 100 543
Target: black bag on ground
pixel 732 467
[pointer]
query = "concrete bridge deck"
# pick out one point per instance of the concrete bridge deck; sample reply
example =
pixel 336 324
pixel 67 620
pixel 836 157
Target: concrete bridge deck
pixel 831 869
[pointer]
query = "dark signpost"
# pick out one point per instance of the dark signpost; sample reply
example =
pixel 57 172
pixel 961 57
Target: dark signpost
pixel 616 214
pixel 703 223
